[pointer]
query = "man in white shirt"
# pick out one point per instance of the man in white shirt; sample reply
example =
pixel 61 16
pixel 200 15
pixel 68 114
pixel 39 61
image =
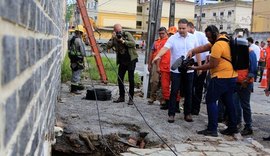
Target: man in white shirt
pixel 179 44
pixel 199 76
pixel 256 50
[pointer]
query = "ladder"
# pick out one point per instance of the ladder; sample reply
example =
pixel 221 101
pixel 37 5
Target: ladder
pixel 92 40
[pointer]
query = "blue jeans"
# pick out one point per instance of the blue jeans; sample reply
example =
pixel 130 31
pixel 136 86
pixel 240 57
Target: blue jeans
pixel 220 88
pixel 242 104
pixel 187 81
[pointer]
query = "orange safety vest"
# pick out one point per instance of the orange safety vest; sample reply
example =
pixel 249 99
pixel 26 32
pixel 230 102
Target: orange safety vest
pixel 158 44
pixel 262 55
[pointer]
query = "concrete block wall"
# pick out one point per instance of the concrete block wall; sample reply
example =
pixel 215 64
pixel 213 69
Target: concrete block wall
pixel 31 50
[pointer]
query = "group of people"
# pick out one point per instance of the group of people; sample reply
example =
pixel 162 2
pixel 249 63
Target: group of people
pixel 212 58
pixel 211 52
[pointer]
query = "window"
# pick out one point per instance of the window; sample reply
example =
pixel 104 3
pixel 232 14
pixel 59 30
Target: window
pixel 195 15
pixel 228 27
pixel 221 27
pixel 139 9
pixel 214 14
pixel 229 13
pixel 203 14
pixel 139 23
pixel 221 13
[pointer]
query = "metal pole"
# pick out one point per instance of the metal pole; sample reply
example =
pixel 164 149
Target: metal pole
pixel 252 16
pixel 172 13
pixel 200 18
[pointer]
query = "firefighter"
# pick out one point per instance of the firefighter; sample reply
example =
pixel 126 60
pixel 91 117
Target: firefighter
pixel 76 53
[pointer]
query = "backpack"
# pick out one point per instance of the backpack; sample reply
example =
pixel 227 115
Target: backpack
pixel 239 52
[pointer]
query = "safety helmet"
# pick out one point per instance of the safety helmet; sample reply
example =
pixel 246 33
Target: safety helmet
pixel 80 28
pixel 71 30
pixel 172 30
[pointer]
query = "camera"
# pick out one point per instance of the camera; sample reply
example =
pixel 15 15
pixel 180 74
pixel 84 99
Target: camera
pixel 119 34
pixel 182 64
pixel 186 64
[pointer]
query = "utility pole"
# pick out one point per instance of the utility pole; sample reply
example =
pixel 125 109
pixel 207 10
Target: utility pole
pixel 172 13
pixel 154 18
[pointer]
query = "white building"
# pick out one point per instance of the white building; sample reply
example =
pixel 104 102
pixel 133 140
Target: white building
pixel 227 16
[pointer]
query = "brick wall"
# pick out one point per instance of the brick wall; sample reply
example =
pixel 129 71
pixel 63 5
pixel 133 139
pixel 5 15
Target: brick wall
pixel 31 50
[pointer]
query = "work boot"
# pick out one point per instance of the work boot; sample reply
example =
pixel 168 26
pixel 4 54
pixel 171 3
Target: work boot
pixel 120 99
pixel 74 89
pixel 80 87
pixel 165 105
pixel 151 101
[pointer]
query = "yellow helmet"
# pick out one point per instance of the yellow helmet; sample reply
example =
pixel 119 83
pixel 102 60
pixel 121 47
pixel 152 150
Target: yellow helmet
pixel 80 28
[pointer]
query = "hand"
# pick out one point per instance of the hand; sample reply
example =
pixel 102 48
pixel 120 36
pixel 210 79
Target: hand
pixel 189 54
pixel 192 67
pixel 121 40
pixel 199 72
pixel 113 35
pixel 155 59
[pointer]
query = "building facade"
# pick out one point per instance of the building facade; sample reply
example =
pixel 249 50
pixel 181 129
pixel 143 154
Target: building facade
pixel 261 16
pixel 227 16
pixel 134 18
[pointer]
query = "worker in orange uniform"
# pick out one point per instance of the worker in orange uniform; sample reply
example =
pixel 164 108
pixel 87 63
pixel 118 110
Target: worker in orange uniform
pixel 267 90
pixel 261 64
pixel 153 68
pixel 267 50
pixel 164 69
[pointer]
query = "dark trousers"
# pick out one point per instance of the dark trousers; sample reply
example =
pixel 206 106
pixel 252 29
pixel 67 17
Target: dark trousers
pixel 221 88
pixel 121 73
pixel 242 104
pixel 198 83
pixel 176 81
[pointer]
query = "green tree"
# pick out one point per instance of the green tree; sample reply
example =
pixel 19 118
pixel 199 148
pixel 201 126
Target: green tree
pixel 70 11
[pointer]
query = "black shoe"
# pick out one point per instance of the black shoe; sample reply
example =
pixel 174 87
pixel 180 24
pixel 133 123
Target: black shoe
pixel 130 102
pixel 229 131
pixel 73 89
pixel 266 138
pixel 120 99
pixel 171 119
pixel 246 131
pixel 80 87
pixel 206 132
pixel 164 107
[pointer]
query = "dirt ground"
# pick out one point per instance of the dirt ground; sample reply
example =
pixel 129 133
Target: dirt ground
pixel 118 122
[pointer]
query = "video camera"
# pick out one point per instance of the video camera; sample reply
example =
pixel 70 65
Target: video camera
pixel 182 64
pixel 119 34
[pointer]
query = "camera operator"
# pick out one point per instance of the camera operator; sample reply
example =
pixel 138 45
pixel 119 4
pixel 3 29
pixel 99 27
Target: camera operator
pixel 222 83
pixel 126 58
pixel 179 44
